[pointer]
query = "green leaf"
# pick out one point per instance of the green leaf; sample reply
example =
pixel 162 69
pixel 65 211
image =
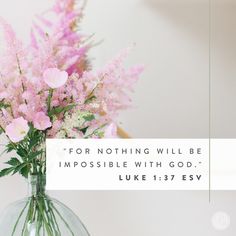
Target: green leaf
pixel 34 155
pixel 10 147
pixel 13 162
pixel 100 133
pixel 96 132
pixel 90 99
pixel 83 130
pixel 35 137
pixel 25 171
pixel 59 109
pixel 88 117
pixel 6 171
pixel 19 167
pixel 22 152
pixel 4 105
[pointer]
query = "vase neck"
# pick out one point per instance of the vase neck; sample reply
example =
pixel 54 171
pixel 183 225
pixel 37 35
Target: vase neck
pixel 36 185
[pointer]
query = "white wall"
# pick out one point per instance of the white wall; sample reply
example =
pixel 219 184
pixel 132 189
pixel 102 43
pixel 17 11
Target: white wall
pixel 223 69
pixel 172 41
pixel 171 101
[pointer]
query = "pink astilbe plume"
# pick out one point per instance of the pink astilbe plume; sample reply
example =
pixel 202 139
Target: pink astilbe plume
pixel 50 83
pixel 12 53
pixel 111 85
pixel 61 44
pixel 12 68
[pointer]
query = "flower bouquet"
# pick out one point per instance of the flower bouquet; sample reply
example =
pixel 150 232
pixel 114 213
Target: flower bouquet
pixel 49 90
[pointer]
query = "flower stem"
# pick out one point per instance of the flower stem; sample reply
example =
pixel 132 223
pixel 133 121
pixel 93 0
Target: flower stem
pixel 18 219
pixel 49 99
pixel 66 224
pixel 47 226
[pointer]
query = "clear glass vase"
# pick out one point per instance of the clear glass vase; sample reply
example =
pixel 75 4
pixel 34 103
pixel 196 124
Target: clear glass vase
pixel 40 215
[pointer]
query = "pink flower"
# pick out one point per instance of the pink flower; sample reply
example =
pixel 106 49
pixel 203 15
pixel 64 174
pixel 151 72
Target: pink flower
pixel 55 78
pixel 4 95
pixel 17 129
pixel 23 108
pixel 41 121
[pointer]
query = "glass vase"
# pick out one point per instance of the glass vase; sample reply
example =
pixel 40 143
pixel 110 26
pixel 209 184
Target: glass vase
pixel 40 215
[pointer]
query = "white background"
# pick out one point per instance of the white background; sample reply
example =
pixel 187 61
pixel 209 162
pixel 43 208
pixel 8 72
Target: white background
pixel 171 101
pixel 190 157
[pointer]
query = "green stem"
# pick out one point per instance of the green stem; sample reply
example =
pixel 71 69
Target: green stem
pixel 47 226
pixel 48 215
pixel 39 223
pixel 66 224
pixel 49 99
pixel 53 216
pixel 27 218
pixel 18 219
pixel 94 132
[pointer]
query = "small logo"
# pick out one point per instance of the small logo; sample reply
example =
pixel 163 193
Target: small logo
pixel 220 220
